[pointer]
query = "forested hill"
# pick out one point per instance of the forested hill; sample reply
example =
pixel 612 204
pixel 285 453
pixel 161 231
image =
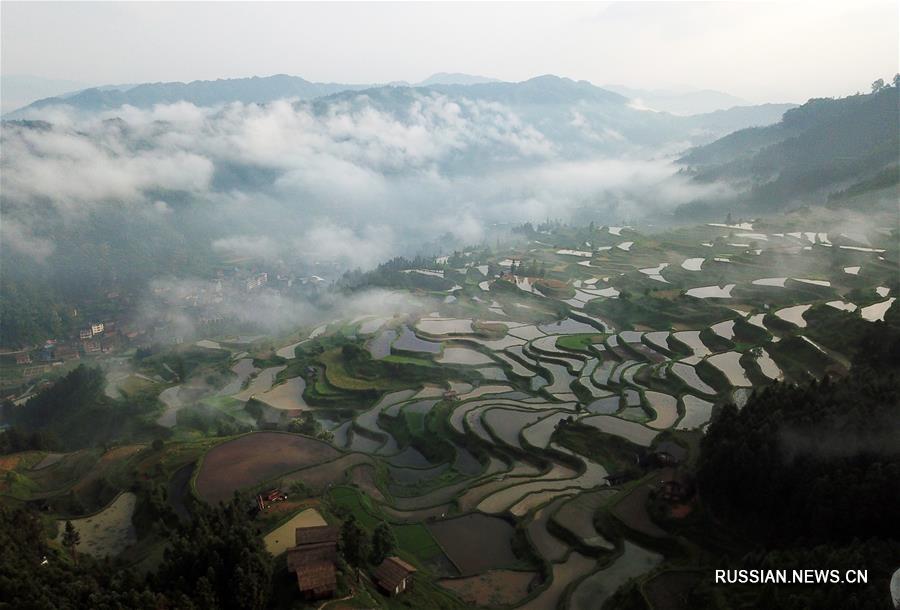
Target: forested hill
pixel 820 147
pixel 806 475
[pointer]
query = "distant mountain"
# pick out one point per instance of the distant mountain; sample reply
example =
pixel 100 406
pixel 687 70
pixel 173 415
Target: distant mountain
pixel 739 117
pixel 202 93
pixel 455 78
pixel 681 102
pixel 581 118
pixel 559 107
pixel 819 147
pixel 18 90
pixel 538 90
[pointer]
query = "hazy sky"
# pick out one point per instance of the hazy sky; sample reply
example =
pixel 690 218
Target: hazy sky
pixel 761 51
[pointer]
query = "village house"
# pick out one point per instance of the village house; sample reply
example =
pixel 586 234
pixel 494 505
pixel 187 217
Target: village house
pixel 394 576
pixel 23 358
pixel 313 561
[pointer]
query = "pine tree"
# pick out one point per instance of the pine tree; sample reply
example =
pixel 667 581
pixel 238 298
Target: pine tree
pixel 71 538
pixel 354 544
pixel 383 543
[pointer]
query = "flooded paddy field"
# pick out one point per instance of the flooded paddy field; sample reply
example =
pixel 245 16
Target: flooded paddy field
pixel 594 590
pixel 565 573
pixel 475 542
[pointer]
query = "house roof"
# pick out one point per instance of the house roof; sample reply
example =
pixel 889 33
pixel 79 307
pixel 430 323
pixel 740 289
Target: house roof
pixel 310 553
pixel 392 572
pixel 317 577
pixel 316 534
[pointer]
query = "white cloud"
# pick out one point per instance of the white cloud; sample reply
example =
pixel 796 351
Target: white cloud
pixel 355 181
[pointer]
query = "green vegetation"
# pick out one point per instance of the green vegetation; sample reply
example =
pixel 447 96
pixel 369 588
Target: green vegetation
pixel 75 413
pixel 215 561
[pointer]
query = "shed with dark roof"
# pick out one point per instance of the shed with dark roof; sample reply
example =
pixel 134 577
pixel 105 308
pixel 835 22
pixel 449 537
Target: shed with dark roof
pixel 394 575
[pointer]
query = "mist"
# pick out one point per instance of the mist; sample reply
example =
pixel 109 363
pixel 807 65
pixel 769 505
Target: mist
pixel 348 181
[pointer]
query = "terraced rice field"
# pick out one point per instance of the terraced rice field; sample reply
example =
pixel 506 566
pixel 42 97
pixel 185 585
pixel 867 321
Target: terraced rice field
pixel 690 334
pixel 108 532
pixel 475 543
pixel 286 396
pixel 255 458
pixel 630 431
pixel 492 588
pixel 593 591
